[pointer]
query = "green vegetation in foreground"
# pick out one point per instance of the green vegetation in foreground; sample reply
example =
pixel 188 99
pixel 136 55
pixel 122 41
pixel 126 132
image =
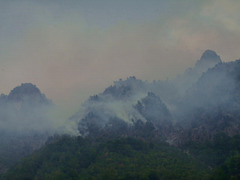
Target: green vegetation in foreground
pixel 130 158
pixel 124 158
pixel 215 153
pixel 229 170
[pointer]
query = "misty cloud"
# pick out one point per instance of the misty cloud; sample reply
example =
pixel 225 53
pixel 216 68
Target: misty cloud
pixel 79 48
pixel 27 111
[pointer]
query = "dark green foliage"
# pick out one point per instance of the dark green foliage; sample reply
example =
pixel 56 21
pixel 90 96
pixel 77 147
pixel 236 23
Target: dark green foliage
pixel 73 158
pixel 123 158
pixel 229 170
pixel 214 153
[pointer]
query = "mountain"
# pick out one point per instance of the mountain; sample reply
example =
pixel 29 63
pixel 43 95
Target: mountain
pixel 183 128
pixel 212 104
pixel 208 106
pixel 191 75
pixel 28 93
pixel 208 60
pixel 24 109
pixel 156 113
pixel 25 123
pixel 121 107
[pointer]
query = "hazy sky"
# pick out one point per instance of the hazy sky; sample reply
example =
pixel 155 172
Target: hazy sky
pixel 75 48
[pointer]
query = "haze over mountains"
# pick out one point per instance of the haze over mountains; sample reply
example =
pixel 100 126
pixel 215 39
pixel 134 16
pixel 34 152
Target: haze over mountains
pixel 25 123
pixel 203 101
pixel 25 109
pixel 208 60
pixel 194 106
pixel 168 105
pixel 27 119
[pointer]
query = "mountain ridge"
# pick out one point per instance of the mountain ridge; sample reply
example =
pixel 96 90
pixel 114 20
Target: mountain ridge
pixel 196 117
pixel 213 88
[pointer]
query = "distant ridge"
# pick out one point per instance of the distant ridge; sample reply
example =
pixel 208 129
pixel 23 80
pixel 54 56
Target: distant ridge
pixel 28 92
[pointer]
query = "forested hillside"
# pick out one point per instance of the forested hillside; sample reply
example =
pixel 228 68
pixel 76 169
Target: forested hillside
pixel 187 127
pixel 68 157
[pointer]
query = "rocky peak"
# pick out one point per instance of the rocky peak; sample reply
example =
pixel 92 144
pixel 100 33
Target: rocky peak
pixel 208 59
pixel 210 55
pixel 27 92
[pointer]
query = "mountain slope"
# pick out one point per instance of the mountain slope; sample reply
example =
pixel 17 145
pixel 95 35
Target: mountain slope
pixel 212 104
pixel 123 107
pixel 168 107
pixel 124 158
pixel 24 123
pixel 184 81
pixel 133 126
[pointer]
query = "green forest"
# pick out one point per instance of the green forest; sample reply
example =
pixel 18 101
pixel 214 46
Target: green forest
pixel 73 158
